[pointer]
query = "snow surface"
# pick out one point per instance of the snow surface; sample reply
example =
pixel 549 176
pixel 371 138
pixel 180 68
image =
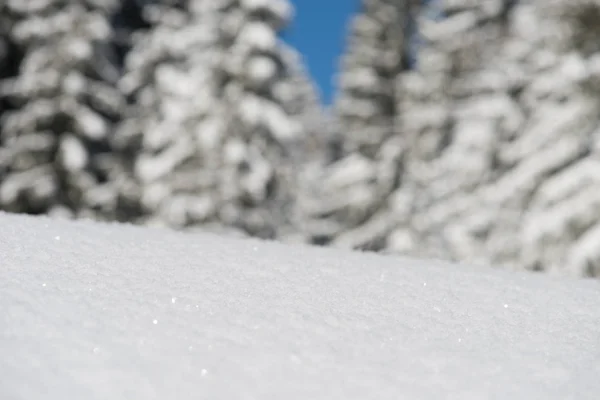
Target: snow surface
pixel 91 311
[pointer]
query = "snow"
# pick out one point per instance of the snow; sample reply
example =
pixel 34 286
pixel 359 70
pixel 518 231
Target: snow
pixel 121 312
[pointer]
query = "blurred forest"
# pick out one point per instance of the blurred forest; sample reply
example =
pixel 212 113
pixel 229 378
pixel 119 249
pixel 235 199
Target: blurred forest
pixel 465 130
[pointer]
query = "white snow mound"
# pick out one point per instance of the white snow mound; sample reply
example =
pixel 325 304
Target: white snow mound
pixel 92 311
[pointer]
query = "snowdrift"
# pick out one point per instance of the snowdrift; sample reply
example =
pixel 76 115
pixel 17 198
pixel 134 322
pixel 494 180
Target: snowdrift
pixel 100 311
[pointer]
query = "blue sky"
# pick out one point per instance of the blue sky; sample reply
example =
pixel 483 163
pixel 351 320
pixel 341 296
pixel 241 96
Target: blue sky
pixel 318 32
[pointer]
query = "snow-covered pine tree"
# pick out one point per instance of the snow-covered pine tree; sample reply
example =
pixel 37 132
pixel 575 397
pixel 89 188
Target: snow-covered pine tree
pixel 270 117
pixel 455 107
pixel 302 99
pixel 207 141
pixel 348 203
pixel 508 173
pixel 9 64
pixel 167 79
pixel 6 45
pixel 556 156
pixel 64 104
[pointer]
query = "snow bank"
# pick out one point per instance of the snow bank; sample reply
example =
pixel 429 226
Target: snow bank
pixel 90 311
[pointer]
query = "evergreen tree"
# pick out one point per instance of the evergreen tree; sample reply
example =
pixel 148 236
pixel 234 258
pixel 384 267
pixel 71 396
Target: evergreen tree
pixel 456 106
pixel 214 117
pixel 9 63
pixel 63 100
pixel 350 201
pixel 6 47
pixel 167 77
pixel 502 131
pixel 556 153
